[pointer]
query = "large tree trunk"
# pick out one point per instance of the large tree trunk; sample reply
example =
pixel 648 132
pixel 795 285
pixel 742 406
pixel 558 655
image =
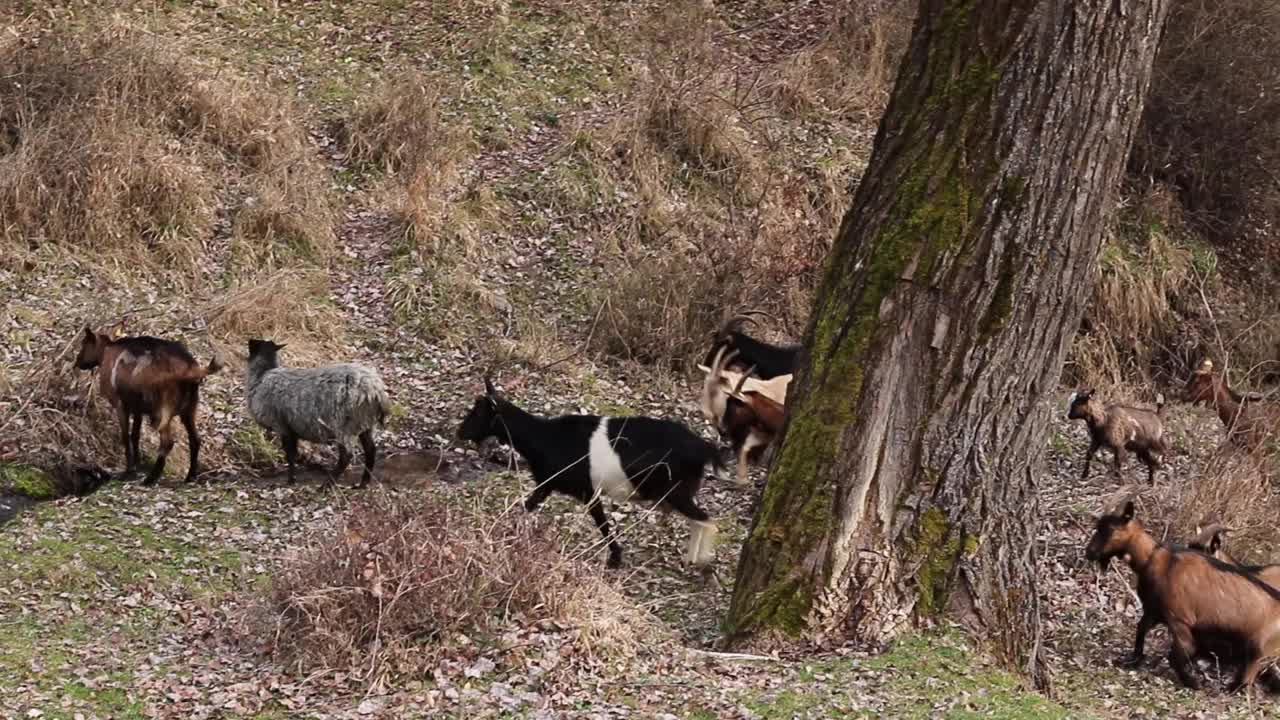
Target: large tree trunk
pixel 904 483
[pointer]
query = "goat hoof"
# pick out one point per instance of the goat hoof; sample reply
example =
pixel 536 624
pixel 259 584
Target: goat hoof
pixel 1129 661
pixel 614 562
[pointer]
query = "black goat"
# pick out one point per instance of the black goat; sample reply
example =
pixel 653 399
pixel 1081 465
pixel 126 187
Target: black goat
pixel 769 360
pixel 589 457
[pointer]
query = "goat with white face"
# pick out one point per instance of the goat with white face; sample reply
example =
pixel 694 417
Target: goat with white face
pixel 589 457
pixel 751 419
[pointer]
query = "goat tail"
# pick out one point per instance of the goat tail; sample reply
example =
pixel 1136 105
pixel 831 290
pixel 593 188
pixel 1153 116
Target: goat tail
pixel 215 364
pixel 384 408
pixel 196 373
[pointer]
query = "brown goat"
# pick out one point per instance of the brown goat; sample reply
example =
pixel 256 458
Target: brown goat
pixel 1120 429
pixel 145 376
pixel 1210 540
pixel 1210 607
pixel 1247 421
pixel 750 420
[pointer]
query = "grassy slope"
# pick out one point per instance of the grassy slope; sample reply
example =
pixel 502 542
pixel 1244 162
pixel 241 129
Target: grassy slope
pixel 125 604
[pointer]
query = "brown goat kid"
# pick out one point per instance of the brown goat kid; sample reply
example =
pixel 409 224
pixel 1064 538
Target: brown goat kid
pixel 1248 422
pixel 1121 429
pixel 1210 607
pixel 145 376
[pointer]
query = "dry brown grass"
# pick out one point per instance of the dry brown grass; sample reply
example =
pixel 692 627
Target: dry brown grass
pixel 287 306
pixel 389 592
pixel 1233 489
pixel 1151 273
pixel 114 142
pixel 725 209
pixel 399 129
pixel 1212 120
pixel 849 72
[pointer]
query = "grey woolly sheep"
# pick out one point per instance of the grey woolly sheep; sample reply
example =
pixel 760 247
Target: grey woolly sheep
pixel 330 404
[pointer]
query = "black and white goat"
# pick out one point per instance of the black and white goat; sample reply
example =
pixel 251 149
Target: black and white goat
pixel 769 360
pixel 589 457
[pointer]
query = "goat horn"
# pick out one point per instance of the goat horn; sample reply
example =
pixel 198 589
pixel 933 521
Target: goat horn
pixel 743 380
pixel 736 320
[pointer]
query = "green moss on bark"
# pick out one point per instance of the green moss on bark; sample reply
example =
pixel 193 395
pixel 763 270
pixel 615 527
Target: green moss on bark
pixel 937 547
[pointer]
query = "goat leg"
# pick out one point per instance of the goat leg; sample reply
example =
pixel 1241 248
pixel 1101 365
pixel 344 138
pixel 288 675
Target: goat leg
pixel 537 497
pixel 1180 654
pixel 602 521
pixel 135 442
pixel 129 461
pixel 1117 456
pixel 290 443
pixel 702 531
pixel 740 476
pixel 1088 458
pixel 1145 623
pixel 162 454
pixel 370 454
pixel 344 460
pixel 1246 675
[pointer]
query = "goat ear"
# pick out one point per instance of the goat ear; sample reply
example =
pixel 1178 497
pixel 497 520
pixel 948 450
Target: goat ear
pixel 1127 514
pixel 88 333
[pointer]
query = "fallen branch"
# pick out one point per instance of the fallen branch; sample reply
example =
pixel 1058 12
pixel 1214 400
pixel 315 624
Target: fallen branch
pixel 732 656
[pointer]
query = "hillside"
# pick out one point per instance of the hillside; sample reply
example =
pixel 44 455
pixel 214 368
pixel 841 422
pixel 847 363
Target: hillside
pixel 570 196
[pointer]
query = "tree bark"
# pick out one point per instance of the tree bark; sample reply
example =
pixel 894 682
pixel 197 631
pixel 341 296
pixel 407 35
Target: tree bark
pixel 904 485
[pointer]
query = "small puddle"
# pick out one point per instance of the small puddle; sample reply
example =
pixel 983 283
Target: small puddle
pixel 11 505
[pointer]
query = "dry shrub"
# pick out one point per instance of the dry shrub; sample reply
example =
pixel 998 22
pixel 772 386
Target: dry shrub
pixel 1151 272
pixel 388 594
pixel 113 141
pixel 400 130
pixel 722 210
pixel 1212 122
pixel 1234 490
pixel 286 306
pixel 663 307
pixel 849 71
pixel 59 416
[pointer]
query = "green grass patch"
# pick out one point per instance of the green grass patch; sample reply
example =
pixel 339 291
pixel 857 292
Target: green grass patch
pixel 938 675
pixel 31 657
pixel 250 445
